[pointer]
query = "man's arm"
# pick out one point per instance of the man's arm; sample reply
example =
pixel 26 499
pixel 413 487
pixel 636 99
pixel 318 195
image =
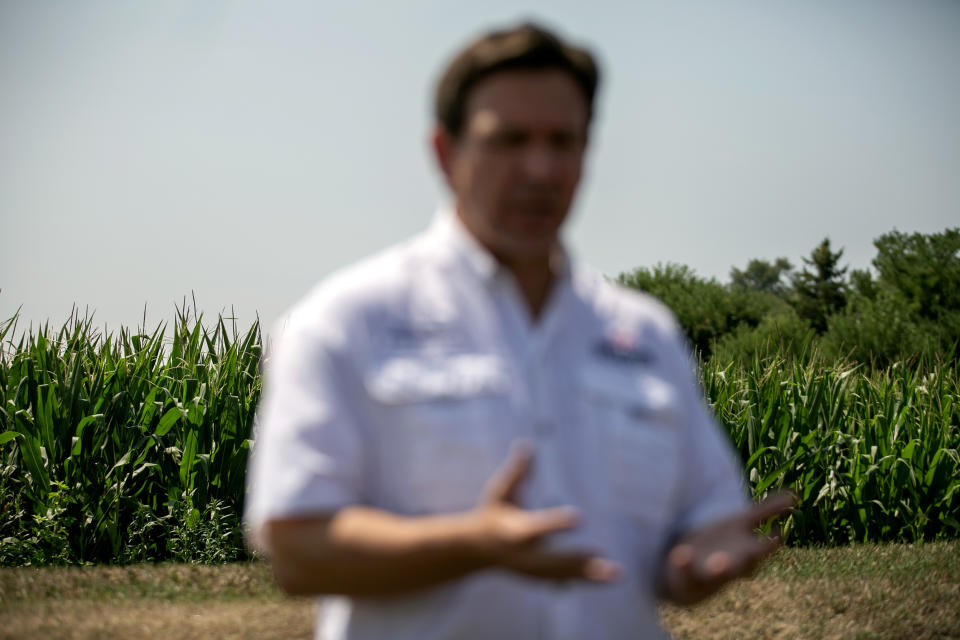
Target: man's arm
pixel 362 551
pixel 705 560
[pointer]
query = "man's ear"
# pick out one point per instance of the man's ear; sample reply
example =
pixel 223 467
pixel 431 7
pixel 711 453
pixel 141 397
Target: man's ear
pixel 443 150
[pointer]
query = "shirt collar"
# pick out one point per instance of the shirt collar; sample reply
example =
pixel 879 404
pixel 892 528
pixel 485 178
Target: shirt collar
pixel 452 236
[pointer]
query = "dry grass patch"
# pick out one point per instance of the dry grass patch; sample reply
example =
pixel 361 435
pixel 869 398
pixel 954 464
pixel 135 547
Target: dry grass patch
pixel 861 592
pixel 86 619
pixel 169 582
pixel 149 601
pixel 865 591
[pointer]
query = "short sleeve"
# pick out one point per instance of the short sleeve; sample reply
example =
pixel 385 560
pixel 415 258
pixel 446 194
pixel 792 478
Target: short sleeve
pixel 712 484
pixel 308 453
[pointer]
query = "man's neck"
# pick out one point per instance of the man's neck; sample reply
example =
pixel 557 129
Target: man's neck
pixel 535 279
pixel 532 271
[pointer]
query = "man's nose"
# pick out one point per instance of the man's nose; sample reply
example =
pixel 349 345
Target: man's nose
pixel 541 163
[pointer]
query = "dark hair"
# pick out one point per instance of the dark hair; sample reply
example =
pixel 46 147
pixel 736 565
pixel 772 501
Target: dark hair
pixel 526 46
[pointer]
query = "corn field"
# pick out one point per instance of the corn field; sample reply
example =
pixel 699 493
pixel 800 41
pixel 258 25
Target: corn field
pixel 872 457
pixel 125 447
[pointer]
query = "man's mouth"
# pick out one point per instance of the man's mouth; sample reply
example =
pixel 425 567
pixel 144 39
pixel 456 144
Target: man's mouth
pixel 536 207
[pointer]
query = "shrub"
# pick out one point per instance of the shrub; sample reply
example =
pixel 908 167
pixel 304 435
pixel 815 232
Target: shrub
pixel 706 309
pixel 880 332
pixel 785 336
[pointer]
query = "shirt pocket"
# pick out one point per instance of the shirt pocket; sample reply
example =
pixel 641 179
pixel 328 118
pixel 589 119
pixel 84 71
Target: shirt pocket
pixel 637 420
pixel 437 428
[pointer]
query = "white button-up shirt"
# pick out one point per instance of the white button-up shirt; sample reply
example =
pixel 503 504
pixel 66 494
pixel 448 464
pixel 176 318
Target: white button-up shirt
pixel 402 382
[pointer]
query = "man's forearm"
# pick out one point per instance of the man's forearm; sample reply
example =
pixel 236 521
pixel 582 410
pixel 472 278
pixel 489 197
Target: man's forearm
pixel 361 551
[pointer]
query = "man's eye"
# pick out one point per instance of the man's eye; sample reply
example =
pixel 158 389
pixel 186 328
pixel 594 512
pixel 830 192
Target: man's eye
pixel 509 139
pixel 565 141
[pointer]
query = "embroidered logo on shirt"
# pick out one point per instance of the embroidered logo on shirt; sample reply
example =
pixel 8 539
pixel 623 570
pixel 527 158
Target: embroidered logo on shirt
pixel 423 337
pixel 622 346
pixel 418 379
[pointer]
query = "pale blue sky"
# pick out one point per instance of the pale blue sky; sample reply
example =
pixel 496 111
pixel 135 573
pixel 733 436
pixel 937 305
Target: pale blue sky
pixel 243 150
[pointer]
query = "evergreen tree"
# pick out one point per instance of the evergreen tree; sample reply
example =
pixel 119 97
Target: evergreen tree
pixel 819 290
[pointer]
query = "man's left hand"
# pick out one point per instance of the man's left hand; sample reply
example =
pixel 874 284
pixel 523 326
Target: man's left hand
pixel 706 559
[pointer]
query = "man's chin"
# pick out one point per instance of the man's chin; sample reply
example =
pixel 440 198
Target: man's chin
pixel 528 248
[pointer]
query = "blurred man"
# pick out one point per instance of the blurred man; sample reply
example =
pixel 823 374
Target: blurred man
pixel 471 436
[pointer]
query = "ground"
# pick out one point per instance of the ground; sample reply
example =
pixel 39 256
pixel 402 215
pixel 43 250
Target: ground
pixel 876 592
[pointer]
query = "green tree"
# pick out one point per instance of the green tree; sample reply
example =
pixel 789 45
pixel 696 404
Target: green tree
pixel 705 308
pixel 863 285
pixel 925 268
pixel 819 290
pixel 760 275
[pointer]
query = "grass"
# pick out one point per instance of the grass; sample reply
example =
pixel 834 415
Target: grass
pixel 862 591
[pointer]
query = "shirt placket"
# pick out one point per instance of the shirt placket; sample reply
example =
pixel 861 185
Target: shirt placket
pixel 543 360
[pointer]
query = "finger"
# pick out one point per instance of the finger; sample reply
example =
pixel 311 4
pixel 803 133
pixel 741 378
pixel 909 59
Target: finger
pixel 775 505
pixel 681 557
pixel 680 579
pixel 706 569
pixel 717 565
pixel 602 570
pixel 506 481
pixel 725 565
pixel 553 520
pixel 567 566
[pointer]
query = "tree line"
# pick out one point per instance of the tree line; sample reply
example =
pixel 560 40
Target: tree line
pixel 905 309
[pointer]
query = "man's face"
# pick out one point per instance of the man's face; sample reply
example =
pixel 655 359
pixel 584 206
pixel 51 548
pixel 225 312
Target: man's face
pixel 515 166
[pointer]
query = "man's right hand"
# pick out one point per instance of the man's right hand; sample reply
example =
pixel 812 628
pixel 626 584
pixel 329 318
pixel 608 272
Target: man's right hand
pixel 511 537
